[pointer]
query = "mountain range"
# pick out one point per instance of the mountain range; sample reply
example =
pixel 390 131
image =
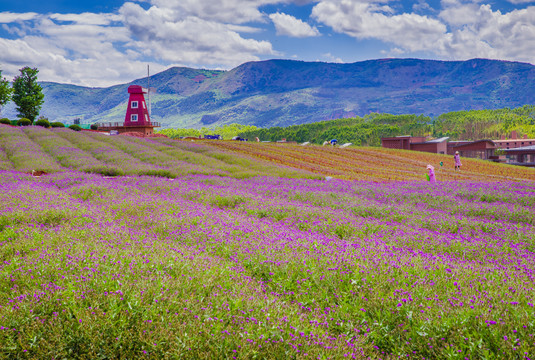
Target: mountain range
pixel 286 92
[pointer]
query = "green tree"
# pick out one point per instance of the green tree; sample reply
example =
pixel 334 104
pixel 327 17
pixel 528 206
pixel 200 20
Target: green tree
pixel 27 93
pixel 5 91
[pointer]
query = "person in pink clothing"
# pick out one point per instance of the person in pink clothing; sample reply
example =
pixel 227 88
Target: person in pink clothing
pixel 457 160
pixel 431 170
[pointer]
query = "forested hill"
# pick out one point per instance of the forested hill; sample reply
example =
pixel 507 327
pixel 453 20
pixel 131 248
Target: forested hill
pixel 284 92
pixel 368 130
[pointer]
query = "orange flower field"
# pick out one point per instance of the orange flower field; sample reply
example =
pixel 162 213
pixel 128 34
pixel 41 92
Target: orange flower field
pixel 375 164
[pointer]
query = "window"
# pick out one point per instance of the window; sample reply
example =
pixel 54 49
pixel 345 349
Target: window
pixel 133 104
pixel 133 117
pixel 143 103
pixel 146 118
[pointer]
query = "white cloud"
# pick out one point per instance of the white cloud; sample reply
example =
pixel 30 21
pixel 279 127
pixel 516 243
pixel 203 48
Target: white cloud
pixel 331 58
pixel 490 34
pixel 458 14
pixel 87 18
pixel 158 33
pixel 9 17
pixel 463 29
pixel 104 49
pixel 290 26
pixel 368 20
pixel 521 1
pixel 421 6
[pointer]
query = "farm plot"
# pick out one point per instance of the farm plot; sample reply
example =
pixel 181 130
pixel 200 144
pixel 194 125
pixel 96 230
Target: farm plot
pixel 376 164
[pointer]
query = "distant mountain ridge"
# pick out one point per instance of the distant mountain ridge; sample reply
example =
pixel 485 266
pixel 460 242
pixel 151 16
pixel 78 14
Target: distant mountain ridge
pixel 286 92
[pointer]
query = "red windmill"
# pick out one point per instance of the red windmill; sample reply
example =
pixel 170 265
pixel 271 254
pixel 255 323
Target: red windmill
pixel 137 113
pixel 137 118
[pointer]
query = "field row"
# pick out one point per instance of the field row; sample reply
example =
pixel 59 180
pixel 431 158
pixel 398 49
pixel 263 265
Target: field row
pixel 376 164
pixel 36 148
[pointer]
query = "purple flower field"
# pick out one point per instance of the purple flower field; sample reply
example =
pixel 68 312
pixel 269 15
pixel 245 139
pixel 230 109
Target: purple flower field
pixel 205 267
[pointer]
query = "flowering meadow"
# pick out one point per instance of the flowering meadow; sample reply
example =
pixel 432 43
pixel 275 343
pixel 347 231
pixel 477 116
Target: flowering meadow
pixel 216 267
pixel 197 253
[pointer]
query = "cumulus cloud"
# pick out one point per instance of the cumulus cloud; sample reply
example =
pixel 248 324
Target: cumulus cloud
pixel 189 39
pixel 226 11
pixel 104 49
pixel 462 30
pixel 9 17
pixel 370 20
pixel 290 26
pixel 491 34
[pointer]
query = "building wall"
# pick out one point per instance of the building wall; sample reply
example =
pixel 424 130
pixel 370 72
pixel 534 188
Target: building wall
pixel 442 147
pixel 427 147
pixel 393 143
pixel 513 143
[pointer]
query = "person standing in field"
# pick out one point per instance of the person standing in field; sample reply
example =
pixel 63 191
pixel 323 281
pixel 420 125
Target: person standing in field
pixel 457 160
pixel 431 174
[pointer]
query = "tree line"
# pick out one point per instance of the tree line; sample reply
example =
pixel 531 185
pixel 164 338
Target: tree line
pixel 226 131
pixel 368 130
pixel 486 124
pixel 25 92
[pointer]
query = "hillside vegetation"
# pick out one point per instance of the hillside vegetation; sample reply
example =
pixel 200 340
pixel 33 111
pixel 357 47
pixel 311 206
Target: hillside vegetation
pixel 226 131
pixel 283 92
pixel 368 130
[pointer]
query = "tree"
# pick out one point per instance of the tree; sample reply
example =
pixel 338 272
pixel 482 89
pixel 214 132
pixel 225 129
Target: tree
pixel 5 91
pixel 27 93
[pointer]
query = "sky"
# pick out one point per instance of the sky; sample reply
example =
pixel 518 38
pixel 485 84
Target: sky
pixel 100 43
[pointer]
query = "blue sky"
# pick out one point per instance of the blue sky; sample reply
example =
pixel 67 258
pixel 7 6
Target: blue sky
pixel 101 43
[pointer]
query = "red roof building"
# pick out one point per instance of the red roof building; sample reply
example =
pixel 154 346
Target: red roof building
pixel 479 149
pixel 513 142
pixel 523 156
pixel 416 143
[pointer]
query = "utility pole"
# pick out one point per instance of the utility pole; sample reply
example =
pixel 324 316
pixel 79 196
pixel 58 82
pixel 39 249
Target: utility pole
pixel 148 89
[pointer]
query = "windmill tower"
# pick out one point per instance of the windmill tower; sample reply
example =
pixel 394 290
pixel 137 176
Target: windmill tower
pixel 137 117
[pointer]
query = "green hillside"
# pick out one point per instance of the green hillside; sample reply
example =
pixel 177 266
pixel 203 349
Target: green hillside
pixel 368 130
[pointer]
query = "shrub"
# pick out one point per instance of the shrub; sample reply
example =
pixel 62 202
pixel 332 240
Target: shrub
pixel 5 121
pixel 94 127
pixel 43 122
pixel 24 122
pixel 57 124
pixel 75 127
